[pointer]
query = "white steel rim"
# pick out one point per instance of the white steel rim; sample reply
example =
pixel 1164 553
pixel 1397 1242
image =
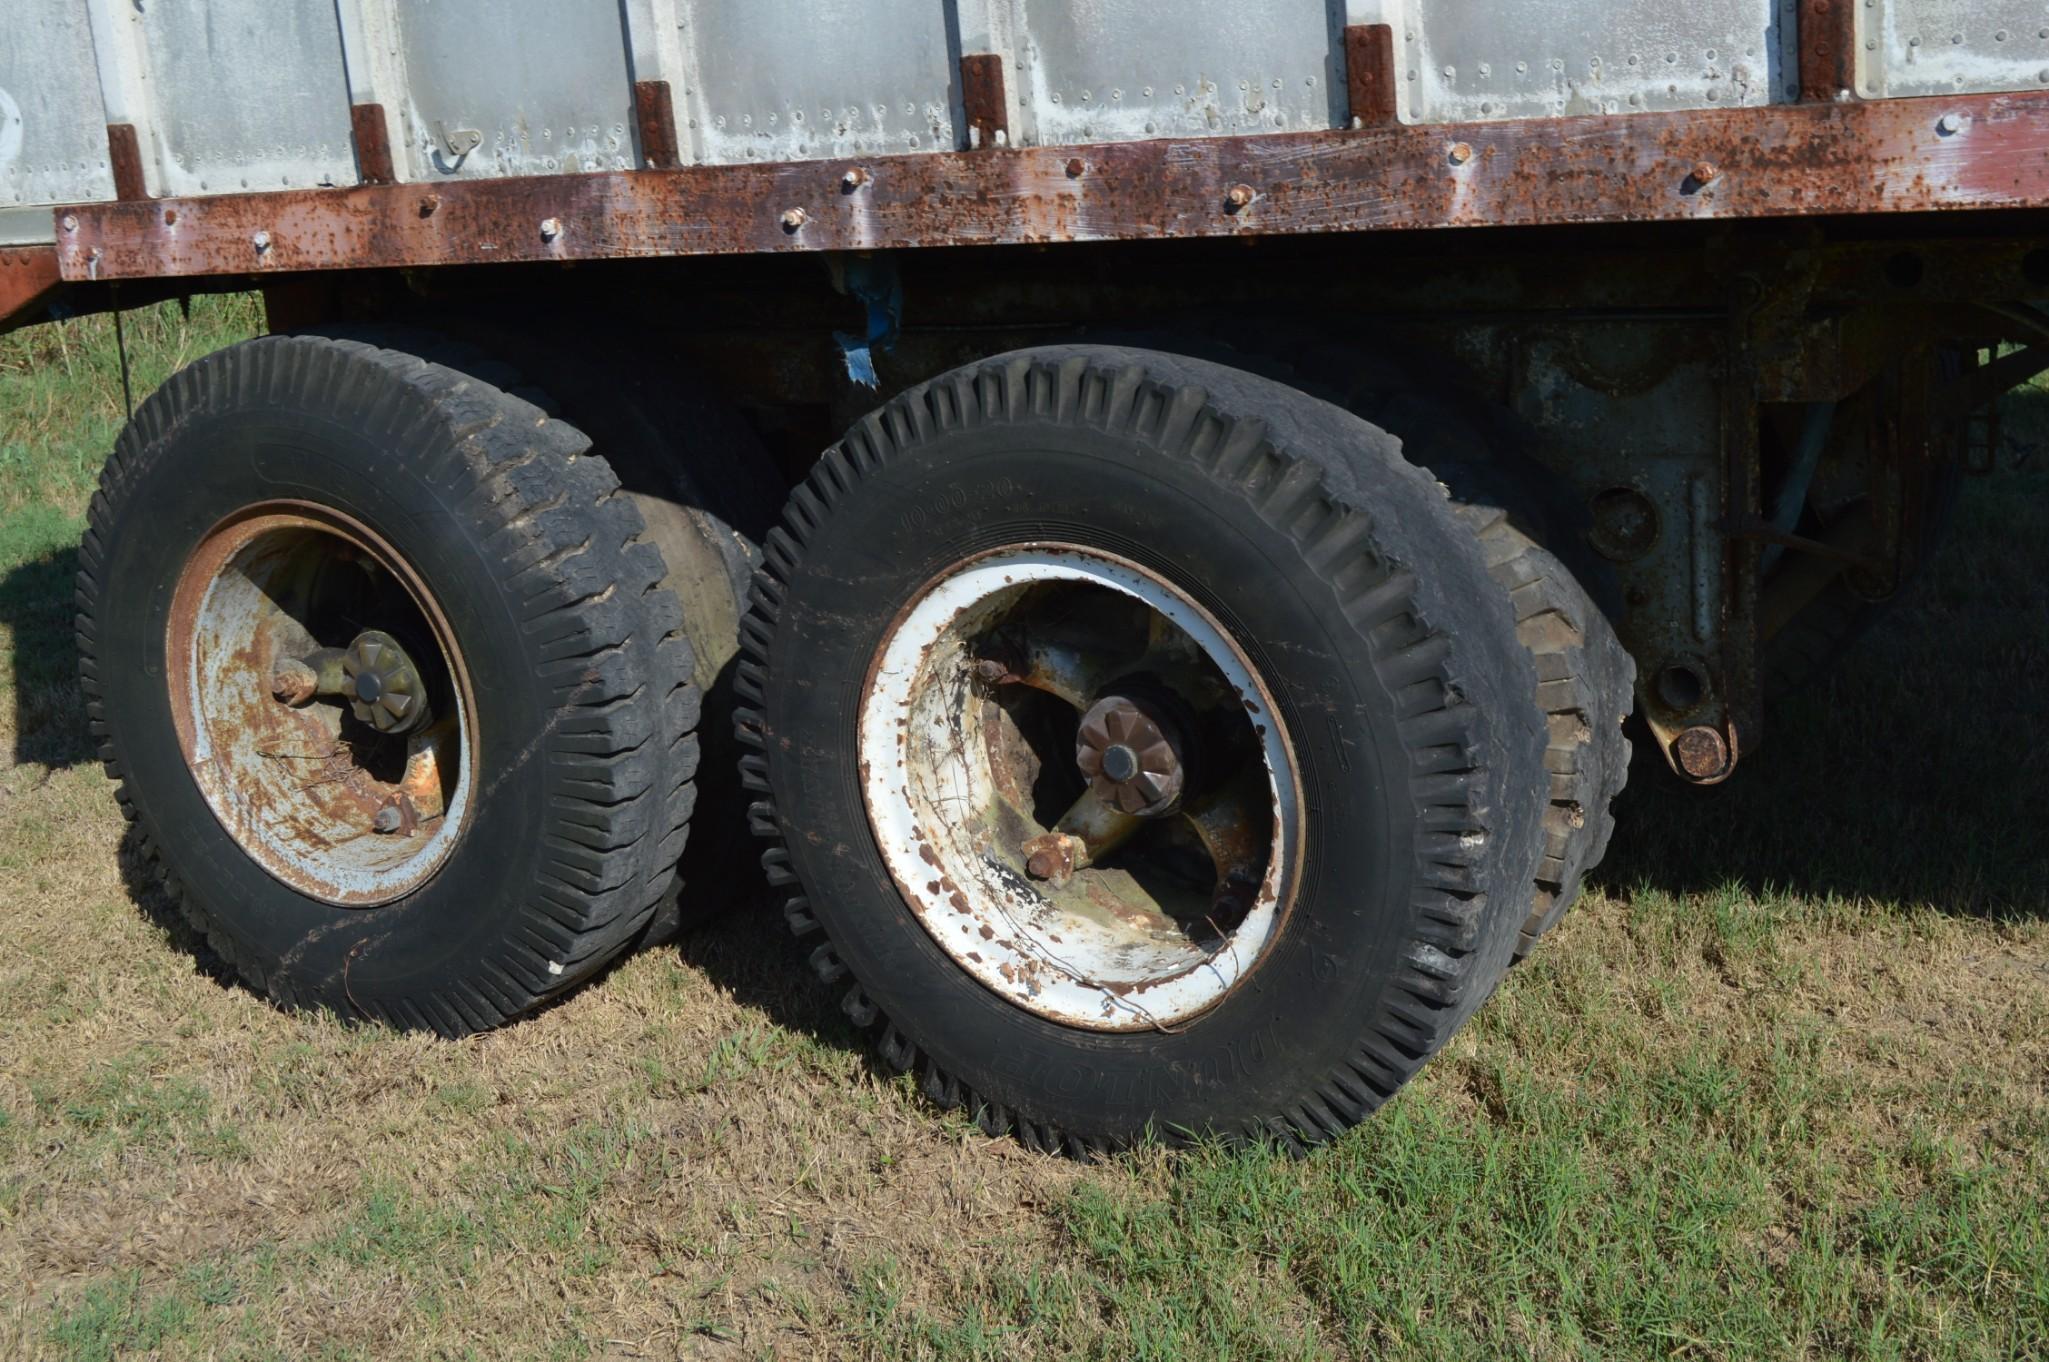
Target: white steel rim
pixel 993 921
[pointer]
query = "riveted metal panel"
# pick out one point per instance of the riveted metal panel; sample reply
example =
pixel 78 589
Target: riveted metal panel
pixel 531 89
pixel 53 127
pixel 852 78
pixel 1120 70
pixel 1939 47
pixel 1548 58
pixel 246 94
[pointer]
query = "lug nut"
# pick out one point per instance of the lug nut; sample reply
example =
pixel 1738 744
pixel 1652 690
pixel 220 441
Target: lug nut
pixel 1052 857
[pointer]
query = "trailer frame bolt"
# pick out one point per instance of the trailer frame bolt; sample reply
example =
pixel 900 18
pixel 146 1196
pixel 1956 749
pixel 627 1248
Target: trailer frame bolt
pixel 1701 752
pixel 1705 172
pixel 1949 125
pixel 1239 196
pixel 261 241
pixel 550 228
pixel 70 222
pixel 1461 153
pixel 853 180
pixel 793 219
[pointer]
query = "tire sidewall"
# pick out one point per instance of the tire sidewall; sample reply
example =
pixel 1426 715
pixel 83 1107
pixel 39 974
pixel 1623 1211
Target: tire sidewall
pixel 420 501
pixel 1299 1014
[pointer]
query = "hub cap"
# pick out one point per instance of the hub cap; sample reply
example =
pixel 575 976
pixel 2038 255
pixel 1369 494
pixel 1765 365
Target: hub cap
pixel 1081 787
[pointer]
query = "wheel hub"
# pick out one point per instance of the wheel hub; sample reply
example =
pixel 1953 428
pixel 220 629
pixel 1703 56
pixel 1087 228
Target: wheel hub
pixel 388 692
pixel 342 771
pixel 1080 786
pixel 1130 756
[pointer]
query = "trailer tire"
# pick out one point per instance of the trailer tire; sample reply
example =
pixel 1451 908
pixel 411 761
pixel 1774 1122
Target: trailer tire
pixel 1534 535
pixel 1358 599
pixel 567 681
pixel 707 491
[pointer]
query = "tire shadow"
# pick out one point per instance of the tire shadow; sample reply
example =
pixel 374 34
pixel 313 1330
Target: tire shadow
pixel 37 610
pixel 1913 774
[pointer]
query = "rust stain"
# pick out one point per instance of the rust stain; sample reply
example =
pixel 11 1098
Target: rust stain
pixel 1828 48
pixel 982 97
pixel 28 274
pixel 1780 161
pixel 124 155
pixel 372 136
pixel 654 112
pixel 1370 74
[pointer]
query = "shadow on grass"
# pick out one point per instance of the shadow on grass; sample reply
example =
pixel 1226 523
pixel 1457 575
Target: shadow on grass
pixel 1913 774
pixel 36 607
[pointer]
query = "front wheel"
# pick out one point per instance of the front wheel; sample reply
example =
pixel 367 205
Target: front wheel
pixel 384 668
pixel 1147 747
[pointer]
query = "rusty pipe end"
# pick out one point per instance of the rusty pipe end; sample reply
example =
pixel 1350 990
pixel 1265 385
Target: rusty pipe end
pixel 1701 753
pixel 294 682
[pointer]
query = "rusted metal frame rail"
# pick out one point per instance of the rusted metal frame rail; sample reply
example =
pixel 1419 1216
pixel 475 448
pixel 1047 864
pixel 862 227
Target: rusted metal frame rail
pixel 1888 156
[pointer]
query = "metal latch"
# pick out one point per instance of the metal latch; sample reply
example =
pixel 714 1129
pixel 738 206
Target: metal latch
pixel 456 143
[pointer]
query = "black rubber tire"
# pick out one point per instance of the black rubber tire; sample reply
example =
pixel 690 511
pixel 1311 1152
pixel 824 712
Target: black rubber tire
pixel 578 658
pixel 1534 535
pixel 1586 678
pixel 1365 604
pixel 707 491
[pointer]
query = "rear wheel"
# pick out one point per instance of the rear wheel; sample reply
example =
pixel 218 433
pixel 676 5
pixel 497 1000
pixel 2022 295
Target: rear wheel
pixel 1144 746
pixel 384 670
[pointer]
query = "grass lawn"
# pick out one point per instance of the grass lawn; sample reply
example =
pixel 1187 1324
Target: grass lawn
pixel 1777 1088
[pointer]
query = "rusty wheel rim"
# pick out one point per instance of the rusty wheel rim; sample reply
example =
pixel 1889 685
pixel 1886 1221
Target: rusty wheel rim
pixel 1081 786
pixel 336 756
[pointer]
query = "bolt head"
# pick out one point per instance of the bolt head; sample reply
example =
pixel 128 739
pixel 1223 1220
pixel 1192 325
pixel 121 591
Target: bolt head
pixel 1240 196
pixel 853 180
pixel 386 819
pixel 550 228
pixel 1461 153
pixel 794 219
pixel 1702 753
pixel 1705 172
pixel 70 222
pixel 1950 124
pixel 261 241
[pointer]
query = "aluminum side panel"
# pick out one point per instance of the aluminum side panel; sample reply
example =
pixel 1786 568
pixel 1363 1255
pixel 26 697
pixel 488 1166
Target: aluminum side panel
pixel 1941 47
pixel 246 94
pixel 1551 58
pixel 542 89
pixel 53 125
pixel 848 78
